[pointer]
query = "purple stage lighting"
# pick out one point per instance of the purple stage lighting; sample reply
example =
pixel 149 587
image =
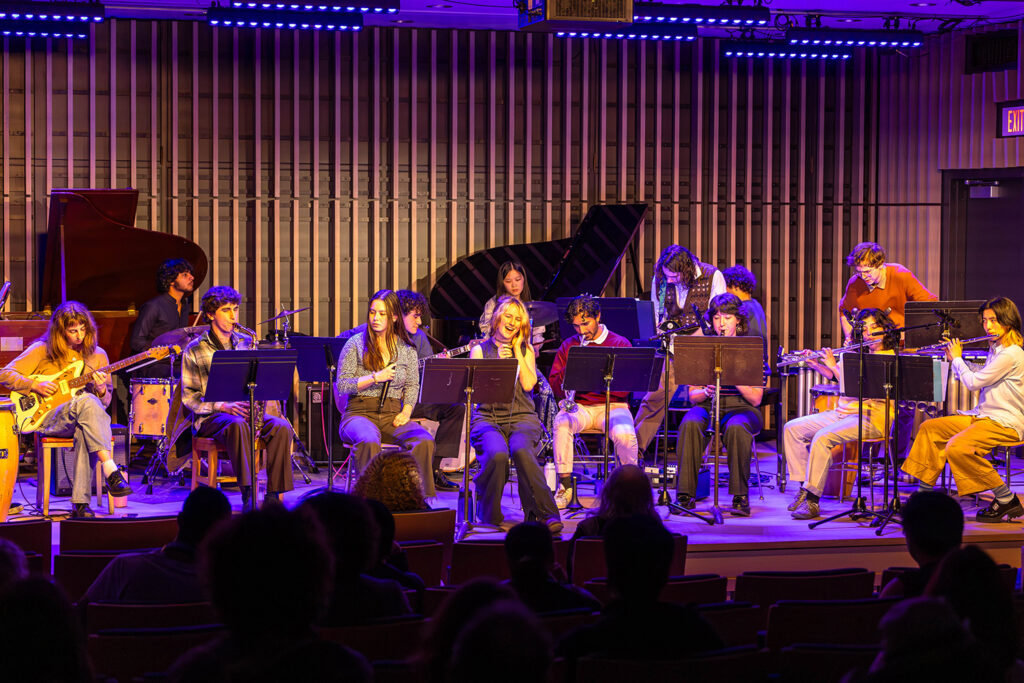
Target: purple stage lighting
pixel 768 50
pixel 718 15
pixel 853 37
pixel 285 19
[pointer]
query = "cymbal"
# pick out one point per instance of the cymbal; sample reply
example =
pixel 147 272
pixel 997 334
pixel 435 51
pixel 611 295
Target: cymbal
pixel 541 312
pixel 284 314
pixel 180 336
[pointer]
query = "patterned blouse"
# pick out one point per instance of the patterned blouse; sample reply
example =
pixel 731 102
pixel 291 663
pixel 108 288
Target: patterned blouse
pixel 405 387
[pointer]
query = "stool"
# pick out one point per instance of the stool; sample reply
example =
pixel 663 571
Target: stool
pixel 45 445
pixel 1006 448
pixel 207 449
pixel 350 463
pixel 753 458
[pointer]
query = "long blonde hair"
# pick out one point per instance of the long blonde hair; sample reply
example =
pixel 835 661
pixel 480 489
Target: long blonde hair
pixel 524 328
pixel 394 333
pixel 65 316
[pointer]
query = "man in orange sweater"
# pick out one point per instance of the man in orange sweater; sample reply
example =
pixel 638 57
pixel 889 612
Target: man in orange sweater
pixel 877 284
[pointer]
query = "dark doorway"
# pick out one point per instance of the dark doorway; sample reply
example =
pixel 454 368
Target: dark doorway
pixel 983 234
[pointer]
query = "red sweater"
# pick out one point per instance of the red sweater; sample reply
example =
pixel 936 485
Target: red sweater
pixel 558 369
pixel 900 287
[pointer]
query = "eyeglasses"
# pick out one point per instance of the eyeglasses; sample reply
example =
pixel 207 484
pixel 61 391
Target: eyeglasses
pixel 862 271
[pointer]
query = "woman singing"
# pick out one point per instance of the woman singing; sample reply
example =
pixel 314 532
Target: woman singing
pixel 379 377
pixel 503 430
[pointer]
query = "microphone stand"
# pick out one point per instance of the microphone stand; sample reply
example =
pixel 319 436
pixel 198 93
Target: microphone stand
pixel 332 370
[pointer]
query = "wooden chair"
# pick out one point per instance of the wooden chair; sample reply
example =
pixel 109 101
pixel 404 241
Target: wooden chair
pixel 117 534
pixel 101 616
pixel 736 623
pixel 32 536
pixel 471 559
pixel 1009 574
pixel 426 560
pixel 827 662
pixel 697 588
pixel 846 622
pixel 75 571
pixel 732 664
pixel 428 525
pixel 123 654
pixel 206 450
pixel 588 559
pixel 557 624
pixel 767 588
pixel 45 446
pixel 384 639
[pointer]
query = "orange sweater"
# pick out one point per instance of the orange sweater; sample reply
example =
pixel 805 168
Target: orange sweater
pixel 900 287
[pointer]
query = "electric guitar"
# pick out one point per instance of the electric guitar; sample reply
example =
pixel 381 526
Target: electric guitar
pixel 449 353
pixel 31 409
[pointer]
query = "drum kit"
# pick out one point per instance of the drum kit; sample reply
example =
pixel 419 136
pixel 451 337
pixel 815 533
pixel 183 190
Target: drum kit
pixel 157 413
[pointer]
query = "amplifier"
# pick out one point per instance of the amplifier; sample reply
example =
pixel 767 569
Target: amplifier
pixel 64 463
pixel 320 411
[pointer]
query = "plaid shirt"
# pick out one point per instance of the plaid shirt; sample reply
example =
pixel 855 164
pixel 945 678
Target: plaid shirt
pixel 195 371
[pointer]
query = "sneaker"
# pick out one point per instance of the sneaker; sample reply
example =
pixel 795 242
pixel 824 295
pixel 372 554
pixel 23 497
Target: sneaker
pixel 443 483
pixel 563 496
pixel 82 511
pixel 16 509
pixel 554 524
pixel 117 485
pixel 685 500
pixel 996 511
pixel 801 496
pixel 808 509
pixel 740 506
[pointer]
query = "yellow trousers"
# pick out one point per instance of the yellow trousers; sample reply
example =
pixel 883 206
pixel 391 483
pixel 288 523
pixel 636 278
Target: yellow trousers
pixel 962 441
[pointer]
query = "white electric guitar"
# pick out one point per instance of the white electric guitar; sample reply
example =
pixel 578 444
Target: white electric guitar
pixel 31 409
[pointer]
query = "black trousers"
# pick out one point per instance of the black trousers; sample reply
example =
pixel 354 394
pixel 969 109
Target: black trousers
pixel 232 432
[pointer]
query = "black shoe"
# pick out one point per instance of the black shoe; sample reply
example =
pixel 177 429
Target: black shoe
pixel 740 506
pixel 443 483
pixel 82 511
pixel 995 512
pixel 685 500
pixel 117 485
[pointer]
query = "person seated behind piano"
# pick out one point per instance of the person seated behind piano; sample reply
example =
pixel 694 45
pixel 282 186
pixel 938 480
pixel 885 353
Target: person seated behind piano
pixel 71 336
pixel 740 420
pixel 511 282
pixel 377 387
pixel 809 440
pixel 170 310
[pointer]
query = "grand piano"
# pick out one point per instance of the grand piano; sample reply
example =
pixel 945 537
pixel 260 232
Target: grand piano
pixel 96 255
pixel 566 267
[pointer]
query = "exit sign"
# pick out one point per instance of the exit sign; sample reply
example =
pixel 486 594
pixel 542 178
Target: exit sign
pixel 1011 119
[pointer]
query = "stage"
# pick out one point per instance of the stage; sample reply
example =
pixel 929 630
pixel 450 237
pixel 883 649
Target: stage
pixel 767 540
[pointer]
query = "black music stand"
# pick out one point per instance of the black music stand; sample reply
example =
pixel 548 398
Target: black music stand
pixel 604 369
pixel 930 322
pixel 318 362
pixel 702 360
pixel 468 380
pixel 252 376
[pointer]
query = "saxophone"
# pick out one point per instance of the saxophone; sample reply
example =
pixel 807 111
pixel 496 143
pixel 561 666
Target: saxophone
pixel 260 407
pixel 568 404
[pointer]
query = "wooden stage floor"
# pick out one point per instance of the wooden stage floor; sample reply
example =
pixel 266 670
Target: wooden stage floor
pixel 768 540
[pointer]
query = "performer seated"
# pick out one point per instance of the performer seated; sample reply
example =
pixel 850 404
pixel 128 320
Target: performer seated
pixel 511 282
pixel 501 431
pixel 168 311
pixel 584 314
pixel 71 336
pixel 740 420
pixel 742 283
pixel 227 423
pixel 809 440
pixel 998 419
pixel 680 282
pixel 379 379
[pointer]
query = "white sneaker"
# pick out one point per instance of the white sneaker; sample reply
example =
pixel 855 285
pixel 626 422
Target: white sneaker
pixel 562 497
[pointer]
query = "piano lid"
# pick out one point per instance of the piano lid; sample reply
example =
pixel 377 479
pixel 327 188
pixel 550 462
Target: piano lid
pixel 582 263
pixel 96 255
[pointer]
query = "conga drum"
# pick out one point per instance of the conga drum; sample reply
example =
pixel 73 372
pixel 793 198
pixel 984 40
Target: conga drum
pixel 8 457
pixel 824 397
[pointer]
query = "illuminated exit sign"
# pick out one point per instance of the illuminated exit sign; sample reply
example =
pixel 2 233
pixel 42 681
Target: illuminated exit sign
pixel 1011 119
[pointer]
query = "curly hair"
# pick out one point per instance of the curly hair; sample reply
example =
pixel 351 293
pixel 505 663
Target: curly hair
pixel 66 316
pixel 410 301
pixel 169 271
pixel 883 320
pixel 740 278
pixel 393 479
pixel 866 254
pixel 216 297
pixel 586 305
pixel 679 260
pixel 729 304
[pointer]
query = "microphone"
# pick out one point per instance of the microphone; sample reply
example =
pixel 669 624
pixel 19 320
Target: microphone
pixel 328 356
pixel 946 318
pixel 383 393
pixel 706 327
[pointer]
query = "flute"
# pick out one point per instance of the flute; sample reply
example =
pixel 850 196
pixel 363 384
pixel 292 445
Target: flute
pixel 941 346
pixel 787 359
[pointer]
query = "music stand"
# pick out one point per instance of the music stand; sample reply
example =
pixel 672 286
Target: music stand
pixel 318 361
pixel 468 380
pixel 961 319
pixel 264 375
pixel 604 369
pixel 735 361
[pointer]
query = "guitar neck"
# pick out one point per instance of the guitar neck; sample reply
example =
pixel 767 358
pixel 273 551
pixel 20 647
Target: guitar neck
pixel 448 353
pixel 85 378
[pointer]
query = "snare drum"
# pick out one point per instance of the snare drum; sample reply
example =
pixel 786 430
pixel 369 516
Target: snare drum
pixel 824 397
pixel 8 457
pixel 151 406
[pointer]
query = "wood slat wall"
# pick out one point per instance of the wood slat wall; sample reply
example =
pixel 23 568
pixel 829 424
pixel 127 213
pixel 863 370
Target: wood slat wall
pixel 316 168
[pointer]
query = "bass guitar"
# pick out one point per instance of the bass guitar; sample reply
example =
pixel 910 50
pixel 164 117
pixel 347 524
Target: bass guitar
pixel 31 409
pixel 450 353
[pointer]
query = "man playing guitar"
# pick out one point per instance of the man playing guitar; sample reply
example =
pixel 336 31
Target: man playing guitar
pixel 70 337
